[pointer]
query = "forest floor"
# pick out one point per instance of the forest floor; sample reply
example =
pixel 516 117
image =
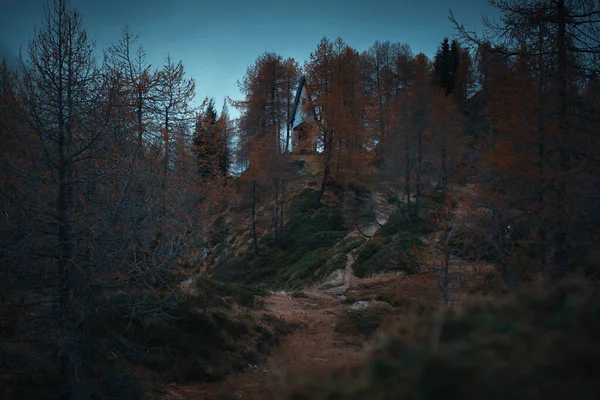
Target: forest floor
pixel 313 344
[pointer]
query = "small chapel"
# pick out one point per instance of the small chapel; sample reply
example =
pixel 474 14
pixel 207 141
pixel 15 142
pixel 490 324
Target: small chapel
pixel 303 121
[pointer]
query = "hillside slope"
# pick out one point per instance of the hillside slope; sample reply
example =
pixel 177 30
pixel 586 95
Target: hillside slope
pixel 371 229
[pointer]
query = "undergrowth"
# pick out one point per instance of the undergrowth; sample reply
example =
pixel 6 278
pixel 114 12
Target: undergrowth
pixel 539 344
pixel 310 252
pixel 317 243
pixel 392 247
pixel 203 336
pixel 364 321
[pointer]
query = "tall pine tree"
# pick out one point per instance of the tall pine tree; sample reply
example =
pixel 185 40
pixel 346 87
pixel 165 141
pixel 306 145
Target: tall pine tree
pixel 445 64
pixel 208 142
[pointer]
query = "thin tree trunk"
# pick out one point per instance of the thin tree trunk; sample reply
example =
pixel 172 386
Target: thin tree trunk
pixel 407 176
pixel 276 224
pixel 166 139
pixel 444 177
pixel 281 224
pixel 419 167
pixel 140 125
pixel 446 274
pixel 381 122
pixel 254 237
pixel 445 278
pixel 326 171
pixel 275 108
pixel 72 372
pixel 287 118
pixel 561 251
pixel 542 248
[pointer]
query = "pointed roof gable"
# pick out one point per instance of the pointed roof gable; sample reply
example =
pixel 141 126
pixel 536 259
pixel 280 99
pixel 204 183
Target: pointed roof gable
pixel 298 104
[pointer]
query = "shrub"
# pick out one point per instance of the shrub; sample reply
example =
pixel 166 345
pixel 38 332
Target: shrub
pixel 364 321
pixel 197 345
pixel 385 296
pixel 392 247
pixel 538 344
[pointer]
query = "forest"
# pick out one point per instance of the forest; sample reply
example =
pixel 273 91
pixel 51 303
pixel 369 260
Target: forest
pixel 440 238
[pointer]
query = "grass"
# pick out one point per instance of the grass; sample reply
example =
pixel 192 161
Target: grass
pixel 317 244
pixel 338 256
pixel 311 237
pixel 392 247
pixel 538 344
pixel 203 344
pixel 170 339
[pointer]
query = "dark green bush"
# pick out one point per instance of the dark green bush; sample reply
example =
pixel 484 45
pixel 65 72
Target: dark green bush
pixel 363 321
pixel 385 296
pixel 393 245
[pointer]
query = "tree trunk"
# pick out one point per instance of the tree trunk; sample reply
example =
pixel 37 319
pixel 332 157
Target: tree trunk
pixel 407 176
pixel 287 118
pixel 281 224
pixel 326 171
pixel 419 167
pixel 73 373
pixel 561 252
pixel 542 247
pixel 166 139
pixel 379 154
pixel 140 124
pixel 444 177
pixel 276 224
pixel 446 274
pixel 254 237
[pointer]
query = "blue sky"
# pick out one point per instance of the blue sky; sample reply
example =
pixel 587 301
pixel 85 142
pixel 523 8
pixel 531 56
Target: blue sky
pixel 217 41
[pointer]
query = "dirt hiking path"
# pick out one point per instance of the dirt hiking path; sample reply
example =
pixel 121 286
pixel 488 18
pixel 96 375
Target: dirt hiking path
pixel 313 344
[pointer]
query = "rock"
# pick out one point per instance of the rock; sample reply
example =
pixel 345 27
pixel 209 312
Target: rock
pixel 336 278
pixel 361 304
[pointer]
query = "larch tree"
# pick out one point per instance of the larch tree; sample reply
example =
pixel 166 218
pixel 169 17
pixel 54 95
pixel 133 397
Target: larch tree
pixel 560 40
pixel 406 69
pixel 379 81
pixel 261 141
pixel 127 59
pixel 88 259
pixel 290 82
pixel 335 76
pixel 264 131
pixel 319 75
pixel 175 92
pixel 348 105
pixel 420 98
pixel 464 83
pixel 352 161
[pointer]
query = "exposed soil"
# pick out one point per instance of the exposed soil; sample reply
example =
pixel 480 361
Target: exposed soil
pixel 314 344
